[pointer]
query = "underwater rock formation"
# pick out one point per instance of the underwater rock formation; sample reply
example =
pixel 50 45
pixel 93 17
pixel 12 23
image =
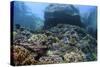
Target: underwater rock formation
pixel 65 14
pixel 63 43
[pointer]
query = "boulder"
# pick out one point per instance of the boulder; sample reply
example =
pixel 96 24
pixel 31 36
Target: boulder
pixel 61 14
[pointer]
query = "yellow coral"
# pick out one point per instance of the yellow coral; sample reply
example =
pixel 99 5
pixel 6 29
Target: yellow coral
pixel 29 60
pixel 74 56
pixel 38 37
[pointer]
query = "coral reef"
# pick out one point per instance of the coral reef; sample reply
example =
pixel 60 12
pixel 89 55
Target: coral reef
pixel 38 37
pixel 22 56
pixel 50 59
pixel 63 43
pixel 74 56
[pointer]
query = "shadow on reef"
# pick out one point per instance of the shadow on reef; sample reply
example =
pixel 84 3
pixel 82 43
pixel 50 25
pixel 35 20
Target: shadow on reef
pixel 60 44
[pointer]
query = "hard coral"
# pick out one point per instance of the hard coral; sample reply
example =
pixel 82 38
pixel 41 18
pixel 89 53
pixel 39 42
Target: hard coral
pixel 74 56
pixel 38 37
pixel 50 59
pixel 20 54
pixel 62 43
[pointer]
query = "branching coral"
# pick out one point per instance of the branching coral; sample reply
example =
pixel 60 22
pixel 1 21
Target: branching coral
pixel 74 56
pixel 62 43
pixel 20 54
pixel 50 59
pixel 38 37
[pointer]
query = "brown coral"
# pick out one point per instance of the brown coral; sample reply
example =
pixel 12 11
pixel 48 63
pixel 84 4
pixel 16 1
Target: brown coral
pixel 20 54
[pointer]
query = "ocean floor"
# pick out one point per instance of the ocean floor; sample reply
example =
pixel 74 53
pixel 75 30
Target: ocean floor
pixel 62 43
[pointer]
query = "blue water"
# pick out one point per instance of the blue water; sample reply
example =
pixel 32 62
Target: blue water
pixel 31 15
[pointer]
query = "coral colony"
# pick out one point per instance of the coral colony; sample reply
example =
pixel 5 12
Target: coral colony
pixel 63 35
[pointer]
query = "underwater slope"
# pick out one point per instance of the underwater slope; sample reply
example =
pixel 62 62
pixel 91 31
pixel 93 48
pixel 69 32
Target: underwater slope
pixel 79 15
pixel 47 15
pixel 60 44
pixel 63 37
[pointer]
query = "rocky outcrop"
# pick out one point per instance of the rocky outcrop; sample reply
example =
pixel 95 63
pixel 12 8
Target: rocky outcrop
pixel 65 14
